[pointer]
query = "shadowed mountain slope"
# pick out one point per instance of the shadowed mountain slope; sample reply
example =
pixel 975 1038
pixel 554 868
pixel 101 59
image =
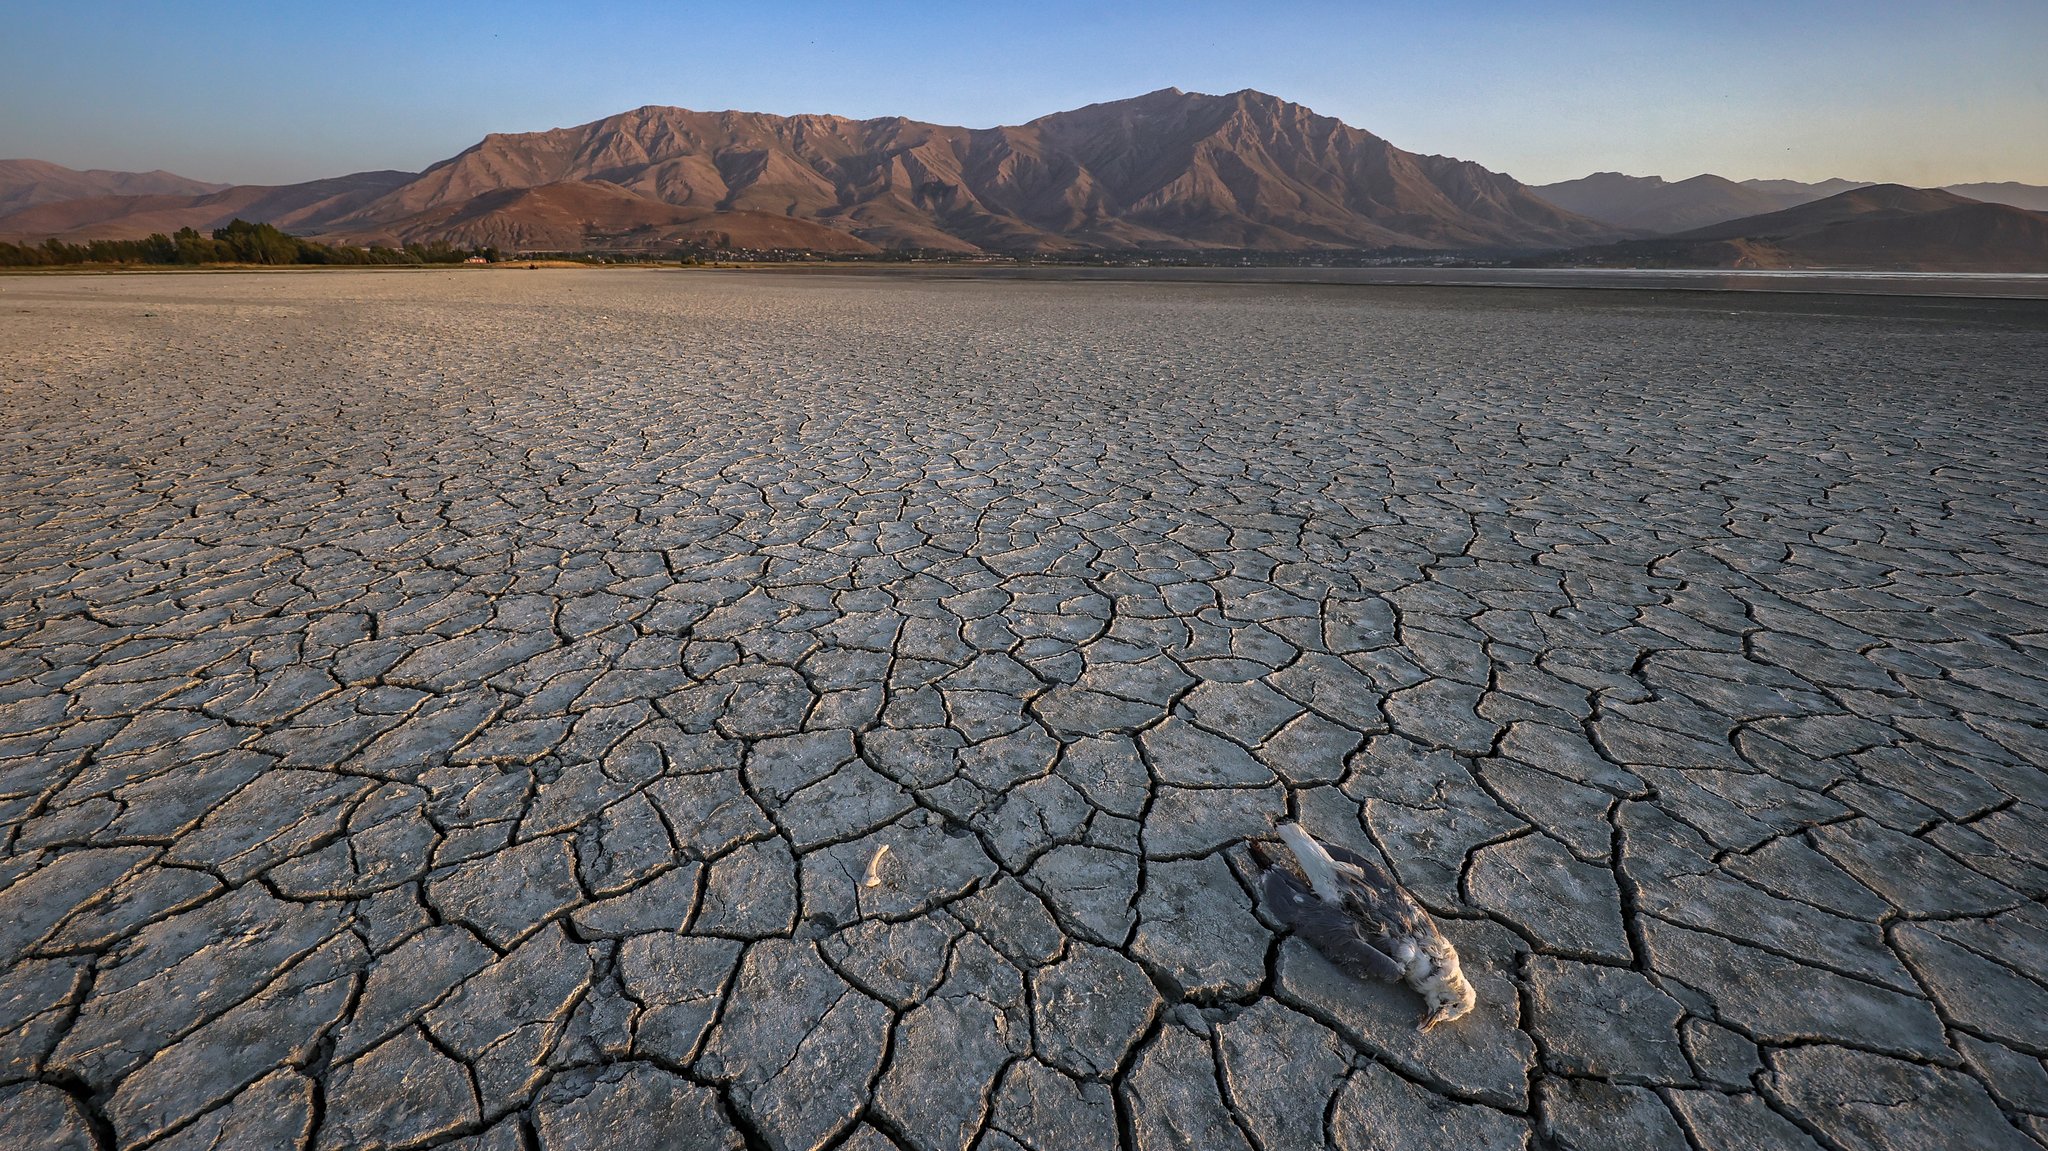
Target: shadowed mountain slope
pixel 1877 201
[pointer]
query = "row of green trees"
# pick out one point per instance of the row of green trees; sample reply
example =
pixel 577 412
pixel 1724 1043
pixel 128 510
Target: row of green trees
pixel 241 242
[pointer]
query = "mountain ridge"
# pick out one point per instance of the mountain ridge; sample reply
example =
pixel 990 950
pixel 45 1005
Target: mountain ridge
pixel 1167 170
pixel 1164 171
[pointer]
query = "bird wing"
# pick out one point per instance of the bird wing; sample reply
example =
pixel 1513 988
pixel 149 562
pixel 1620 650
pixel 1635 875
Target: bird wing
pixel 1338 936
pixel 1375 897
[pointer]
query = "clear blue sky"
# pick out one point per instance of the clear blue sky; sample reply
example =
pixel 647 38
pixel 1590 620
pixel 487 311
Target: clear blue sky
pixel 1920 93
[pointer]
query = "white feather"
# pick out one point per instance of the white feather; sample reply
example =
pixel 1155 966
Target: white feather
pixel 1316 863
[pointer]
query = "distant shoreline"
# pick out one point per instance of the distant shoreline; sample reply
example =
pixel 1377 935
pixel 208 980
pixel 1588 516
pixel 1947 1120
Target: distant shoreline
pixel 2013 286
pixel 1974 285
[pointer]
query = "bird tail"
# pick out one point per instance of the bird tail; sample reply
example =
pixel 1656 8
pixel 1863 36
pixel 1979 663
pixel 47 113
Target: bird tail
pixel 1316 864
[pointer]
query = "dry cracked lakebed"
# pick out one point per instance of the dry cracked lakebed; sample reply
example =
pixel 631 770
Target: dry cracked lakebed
pixel 462 710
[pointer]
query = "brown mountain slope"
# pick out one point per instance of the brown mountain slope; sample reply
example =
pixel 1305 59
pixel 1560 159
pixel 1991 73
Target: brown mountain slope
pixel 1169 169
pixel 1248 169
pixel 26 183
pixel 593 216
pixel 301 208
pixel 1881 227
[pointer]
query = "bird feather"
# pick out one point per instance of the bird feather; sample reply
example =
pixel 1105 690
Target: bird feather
pixel 1327 929
pixel 1374 894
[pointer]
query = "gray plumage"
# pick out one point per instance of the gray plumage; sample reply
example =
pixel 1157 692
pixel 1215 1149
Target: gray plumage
pixel 1349 909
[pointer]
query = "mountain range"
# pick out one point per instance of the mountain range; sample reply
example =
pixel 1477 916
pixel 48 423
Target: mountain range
pixel 1652 205
pixel 1876 226
pixel 1169 170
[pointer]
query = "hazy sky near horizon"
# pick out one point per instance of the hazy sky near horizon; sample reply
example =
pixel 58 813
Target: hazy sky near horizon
pixel 1917 93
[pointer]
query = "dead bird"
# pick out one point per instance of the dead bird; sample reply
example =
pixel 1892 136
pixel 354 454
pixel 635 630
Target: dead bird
pixel 1349 909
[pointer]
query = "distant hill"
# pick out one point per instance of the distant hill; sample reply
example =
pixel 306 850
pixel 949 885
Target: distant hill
pixel 1167 170
pixel 1651 205
pixel 26 183
pixel 1885 227
pixel 1803 191
pixel 301 208
pixel 1876 201
pixel 2032 197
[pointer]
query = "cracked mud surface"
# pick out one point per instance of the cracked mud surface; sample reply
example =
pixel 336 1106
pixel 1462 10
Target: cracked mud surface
pixel 462 710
